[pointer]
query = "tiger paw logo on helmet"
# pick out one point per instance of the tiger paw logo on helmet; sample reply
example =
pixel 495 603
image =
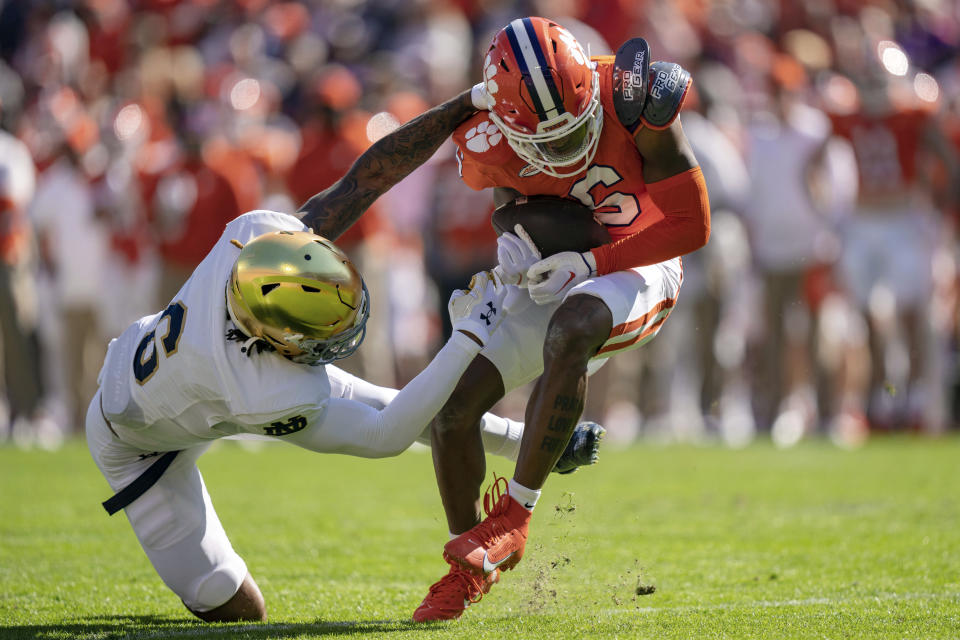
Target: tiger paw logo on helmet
pixel 483 137
pixel 576 51
pixel 489 71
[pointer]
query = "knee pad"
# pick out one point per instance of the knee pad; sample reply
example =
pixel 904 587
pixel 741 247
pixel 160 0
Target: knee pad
pixel 215 588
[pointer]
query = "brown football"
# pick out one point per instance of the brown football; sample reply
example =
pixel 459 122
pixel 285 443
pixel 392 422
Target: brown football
pixel 555 224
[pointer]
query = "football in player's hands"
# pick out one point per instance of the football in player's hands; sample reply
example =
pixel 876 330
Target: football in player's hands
pixel 554 224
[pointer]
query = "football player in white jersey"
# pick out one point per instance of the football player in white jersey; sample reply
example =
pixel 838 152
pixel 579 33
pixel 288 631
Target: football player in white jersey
pixel 245 348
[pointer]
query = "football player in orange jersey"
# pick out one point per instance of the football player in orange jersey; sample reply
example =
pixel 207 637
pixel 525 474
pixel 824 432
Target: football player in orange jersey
pixel 604 132
pixel 890 239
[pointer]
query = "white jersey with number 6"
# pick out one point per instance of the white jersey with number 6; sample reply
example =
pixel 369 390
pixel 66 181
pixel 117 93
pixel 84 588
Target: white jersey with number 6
pixel 172 380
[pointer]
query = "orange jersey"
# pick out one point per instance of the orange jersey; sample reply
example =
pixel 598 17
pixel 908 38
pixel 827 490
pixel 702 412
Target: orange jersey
pixel 612 185
pixel 886 149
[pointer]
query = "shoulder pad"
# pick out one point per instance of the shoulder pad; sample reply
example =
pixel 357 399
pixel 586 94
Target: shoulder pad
pixel 631 68
pixel 666 91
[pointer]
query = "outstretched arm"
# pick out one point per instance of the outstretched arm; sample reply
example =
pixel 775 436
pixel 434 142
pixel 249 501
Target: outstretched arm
pixel 355 428
pixel 389 160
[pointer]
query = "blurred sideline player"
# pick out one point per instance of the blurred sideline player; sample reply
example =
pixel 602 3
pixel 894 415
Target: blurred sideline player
pixel 888 242
pixel 553 128
pixel 245 347
pixel 802 183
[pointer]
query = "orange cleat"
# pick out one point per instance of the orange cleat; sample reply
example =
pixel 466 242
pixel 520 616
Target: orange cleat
pixel 497 542
pixel 449 596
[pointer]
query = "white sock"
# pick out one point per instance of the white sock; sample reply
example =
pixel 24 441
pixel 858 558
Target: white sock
pixel 501 436
pixel 527 497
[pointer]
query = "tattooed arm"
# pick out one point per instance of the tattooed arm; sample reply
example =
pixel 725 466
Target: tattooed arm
pixel 390 159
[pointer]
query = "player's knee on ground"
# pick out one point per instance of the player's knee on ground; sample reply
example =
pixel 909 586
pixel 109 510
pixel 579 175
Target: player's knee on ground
pixel 480 387
pixel 213 589
pixel 243 603
pixel 578 328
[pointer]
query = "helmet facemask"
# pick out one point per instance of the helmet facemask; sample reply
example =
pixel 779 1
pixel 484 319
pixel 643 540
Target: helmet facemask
pixel 317 352
pixel 563 146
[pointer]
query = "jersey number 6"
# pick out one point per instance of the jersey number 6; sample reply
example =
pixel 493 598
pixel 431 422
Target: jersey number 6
pixel 618 209
pixel 146 360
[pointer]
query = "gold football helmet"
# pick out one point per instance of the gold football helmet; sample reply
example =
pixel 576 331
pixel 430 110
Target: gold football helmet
pixel 300 294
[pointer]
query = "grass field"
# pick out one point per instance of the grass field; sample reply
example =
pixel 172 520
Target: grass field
pixel 758 543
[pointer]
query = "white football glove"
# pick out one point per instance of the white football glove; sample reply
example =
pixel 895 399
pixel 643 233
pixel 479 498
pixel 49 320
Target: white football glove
pixel 480 98
pixel 517 300
pixel 479 310
pixel 516 254
pixel 551 278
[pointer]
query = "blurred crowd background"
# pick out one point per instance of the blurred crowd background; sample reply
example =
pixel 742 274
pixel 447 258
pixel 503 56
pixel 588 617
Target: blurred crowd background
pixel 825 303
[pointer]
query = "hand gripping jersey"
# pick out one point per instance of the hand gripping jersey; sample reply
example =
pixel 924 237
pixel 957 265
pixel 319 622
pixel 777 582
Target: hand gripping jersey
pixel 612 185
pixel 173 380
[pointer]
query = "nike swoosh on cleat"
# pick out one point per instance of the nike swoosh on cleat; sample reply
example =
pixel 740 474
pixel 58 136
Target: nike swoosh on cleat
pixel 489 567
pixel 528 506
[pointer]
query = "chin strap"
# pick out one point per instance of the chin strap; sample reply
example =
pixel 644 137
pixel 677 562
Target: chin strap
pixel 235 335
pixel 246 348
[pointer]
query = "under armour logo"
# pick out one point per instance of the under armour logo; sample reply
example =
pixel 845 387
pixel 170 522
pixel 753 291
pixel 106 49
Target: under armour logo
pixel 294 424
pixel 486 316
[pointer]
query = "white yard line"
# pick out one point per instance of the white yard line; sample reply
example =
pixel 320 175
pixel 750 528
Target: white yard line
pixel 768 604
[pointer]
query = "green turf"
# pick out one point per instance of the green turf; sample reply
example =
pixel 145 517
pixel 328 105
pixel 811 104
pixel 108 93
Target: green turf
pixel 759 543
